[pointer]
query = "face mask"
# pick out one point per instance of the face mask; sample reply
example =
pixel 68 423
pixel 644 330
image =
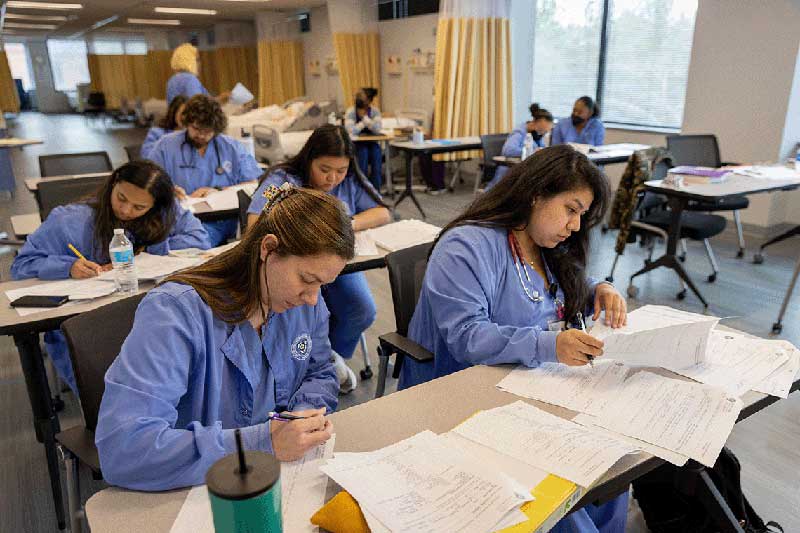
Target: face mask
pixel 576 120
pixel 361 104
pixel 536 136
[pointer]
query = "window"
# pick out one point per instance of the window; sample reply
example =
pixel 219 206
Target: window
pixel 17 55
pixel 68 62
pixel 636 67
pixel 108 48
pixel 136 48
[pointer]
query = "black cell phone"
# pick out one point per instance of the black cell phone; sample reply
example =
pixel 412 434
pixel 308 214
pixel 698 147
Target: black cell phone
pixel 40 301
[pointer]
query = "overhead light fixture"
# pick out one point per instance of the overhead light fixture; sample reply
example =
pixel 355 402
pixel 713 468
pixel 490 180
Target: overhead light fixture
pixel 19 4
pixel 185 11
pixel 40 18
pixel 156 22
pixel 25 26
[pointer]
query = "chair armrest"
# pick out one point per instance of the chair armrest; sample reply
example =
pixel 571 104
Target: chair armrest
pixel 729 164
pixel 406 346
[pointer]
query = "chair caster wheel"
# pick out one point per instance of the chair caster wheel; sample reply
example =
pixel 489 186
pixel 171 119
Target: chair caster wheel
pixel 366 373
pixel 633 291
pixel 740 253
pixel 777 327
pixel 610 279
pixel 681 295
pixel 58 404
pixel 682 258
pixel 758 259
pixel 712 278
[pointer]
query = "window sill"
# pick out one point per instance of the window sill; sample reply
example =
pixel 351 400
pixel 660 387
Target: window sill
pixel 643 129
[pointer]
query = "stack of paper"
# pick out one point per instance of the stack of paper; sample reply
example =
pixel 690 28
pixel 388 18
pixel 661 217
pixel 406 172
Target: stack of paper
pixel 425 483
pixel 303 488
pixel 780 381
pixel 75 289
pixel 773 172
pixel 658 336
pixel 365 244
pixel 403 234
pixel 153 267
pixel 224 200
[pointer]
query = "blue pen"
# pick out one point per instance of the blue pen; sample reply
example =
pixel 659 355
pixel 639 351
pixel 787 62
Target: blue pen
pixel 590 357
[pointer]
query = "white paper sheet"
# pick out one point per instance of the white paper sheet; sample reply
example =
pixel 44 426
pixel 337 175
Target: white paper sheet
pixel 403 234
pixel 692 419
pixel 155 266
pixel 223 200
pixel 197 253
pixel 737 363
pixel 422 484
pixel 240 95
pixel 657 335
pixel 365 245
pixel 303 488
pixel 780 381
pixel 585 389
pixel 76 289
pixel 545 441
pixel 771 172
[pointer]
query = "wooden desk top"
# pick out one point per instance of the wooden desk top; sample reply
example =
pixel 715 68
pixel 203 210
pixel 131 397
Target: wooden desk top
pixel 24 225
pixel 13 142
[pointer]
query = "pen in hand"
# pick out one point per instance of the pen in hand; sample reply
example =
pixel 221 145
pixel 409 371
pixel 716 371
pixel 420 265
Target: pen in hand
pixel 589 356
pixel 284 417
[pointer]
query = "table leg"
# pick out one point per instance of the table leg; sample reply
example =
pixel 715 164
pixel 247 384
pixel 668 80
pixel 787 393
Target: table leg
pixel 409 192
pixel 388 167
pixel 44 416
pixel 694 481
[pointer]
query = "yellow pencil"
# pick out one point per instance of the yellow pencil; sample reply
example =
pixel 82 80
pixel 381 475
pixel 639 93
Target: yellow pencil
pixel 76 252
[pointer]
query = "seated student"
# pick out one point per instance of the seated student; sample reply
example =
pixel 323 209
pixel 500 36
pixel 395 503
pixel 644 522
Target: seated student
pixel 583 126
pixel 219 346
pixel 508 274
pixel 202 159
pixel 326 163
pixel 172 121
pixel 539 126
pixel 138 197
pixel 364 119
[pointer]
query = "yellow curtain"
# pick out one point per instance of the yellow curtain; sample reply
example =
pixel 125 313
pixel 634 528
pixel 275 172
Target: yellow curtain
pixel 158 73
pixel 358 55
pixel 280 71
pixel 472 79
pixel 222 68
pixel 113 75
pixel 9 99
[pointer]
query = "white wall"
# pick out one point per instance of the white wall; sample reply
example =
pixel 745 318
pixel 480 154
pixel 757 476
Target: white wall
pixel 523 21
pixel 48 99
pixel 412 88
pixel 318 46
pixel 231 34
pixel 353 16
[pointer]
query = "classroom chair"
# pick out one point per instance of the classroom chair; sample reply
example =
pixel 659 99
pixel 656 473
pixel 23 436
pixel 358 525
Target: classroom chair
pixel 244 204
pixel 644 216
pixel 52 194
pixel 703 150
pixel 77 163
pixel 134 152
pixel 406 272
pixel 91 350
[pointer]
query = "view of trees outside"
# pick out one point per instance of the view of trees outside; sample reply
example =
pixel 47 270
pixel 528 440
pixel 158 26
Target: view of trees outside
pixel 647 58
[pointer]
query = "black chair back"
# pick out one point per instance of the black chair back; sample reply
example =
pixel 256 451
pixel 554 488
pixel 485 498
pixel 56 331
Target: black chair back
pixel 92 349
pixel 699 150
pixel 68 164
pixel 52 194
pixel 134 152
pixel 406 273
pixel 492 146
pixel 244 204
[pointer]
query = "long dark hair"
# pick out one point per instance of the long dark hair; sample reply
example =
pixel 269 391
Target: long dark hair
pixel 591 105
pixel 539 112
pixel 326 141
pixel 548 172
pixel 306 223
pixel 170 120
pixel 150 228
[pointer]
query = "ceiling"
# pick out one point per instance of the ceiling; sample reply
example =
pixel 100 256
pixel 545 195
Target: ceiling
pixel 94 11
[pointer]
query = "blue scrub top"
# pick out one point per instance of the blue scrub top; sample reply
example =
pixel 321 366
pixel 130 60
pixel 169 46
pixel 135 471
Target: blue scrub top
pixel 184 83
pixel 472 308
pixel 593 132
pixel 190 170
pixel 350 191
pixel 513 148
pixel 153 135
pixel 185 379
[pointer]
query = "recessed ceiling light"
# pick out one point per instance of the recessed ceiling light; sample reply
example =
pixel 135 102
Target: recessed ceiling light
pixel 185 11
pixel 24 26
pixel 159 22
pixel 19 4
pixel 41 18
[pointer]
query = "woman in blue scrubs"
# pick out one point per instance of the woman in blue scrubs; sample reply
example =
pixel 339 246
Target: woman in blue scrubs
pixel 583 126
pixel 219 346
pixel 172 121
pixel 506 283
pixel 327 163
pixel 185 62
pixel 139 197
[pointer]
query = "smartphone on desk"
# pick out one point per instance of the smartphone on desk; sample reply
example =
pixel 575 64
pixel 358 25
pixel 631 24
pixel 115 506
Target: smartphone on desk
pixel 31 300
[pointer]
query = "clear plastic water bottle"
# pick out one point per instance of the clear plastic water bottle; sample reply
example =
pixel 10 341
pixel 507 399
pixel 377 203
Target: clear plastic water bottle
pixel 121 251
pixel 527 147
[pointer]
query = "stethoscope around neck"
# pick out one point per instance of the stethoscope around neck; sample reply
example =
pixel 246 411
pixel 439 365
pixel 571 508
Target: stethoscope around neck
pixel 219 170
pixel 523 273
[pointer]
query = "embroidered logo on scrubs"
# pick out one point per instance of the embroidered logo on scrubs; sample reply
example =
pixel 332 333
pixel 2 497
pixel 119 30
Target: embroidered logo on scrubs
pixel 301 347
pixel 227 166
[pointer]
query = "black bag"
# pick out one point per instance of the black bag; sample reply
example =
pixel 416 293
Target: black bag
pixel 668 509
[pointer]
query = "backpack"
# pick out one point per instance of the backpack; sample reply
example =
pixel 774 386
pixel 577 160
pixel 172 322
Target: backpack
pixel 668 504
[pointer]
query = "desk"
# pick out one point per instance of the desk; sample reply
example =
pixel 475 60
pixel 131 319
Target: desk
pixel 411 149
pixel 608 157
pixel 678 199
pixel 378 423
pixel 385 141
pixel 24 225
pixel 7 180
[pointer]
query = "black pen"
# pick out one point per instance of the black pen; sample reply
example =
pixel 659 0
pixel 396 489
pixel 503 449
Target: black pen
pixel 284 417
pixel 590 357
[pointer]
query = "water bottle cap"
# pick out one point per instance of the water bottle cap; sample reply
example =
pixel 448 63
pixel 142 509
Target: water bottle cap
pixel 119 231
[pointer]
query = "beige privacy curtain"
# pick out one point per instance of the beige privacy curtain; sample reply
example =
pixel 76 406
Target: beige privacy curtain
pixel 280 71
pixel 9 99
pixel 472 79
pixel 358 55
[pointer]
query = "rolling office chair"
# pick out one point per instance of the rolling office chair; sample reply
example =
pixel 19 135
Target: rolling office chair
pixel 491 145
pixel 77 163
pixel 406 273
pixel 91 350
pixel 703 150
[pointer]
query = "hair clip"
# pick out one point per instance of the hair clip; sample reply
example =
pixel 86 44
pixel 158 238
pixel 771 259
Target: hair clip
pixel 275 194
